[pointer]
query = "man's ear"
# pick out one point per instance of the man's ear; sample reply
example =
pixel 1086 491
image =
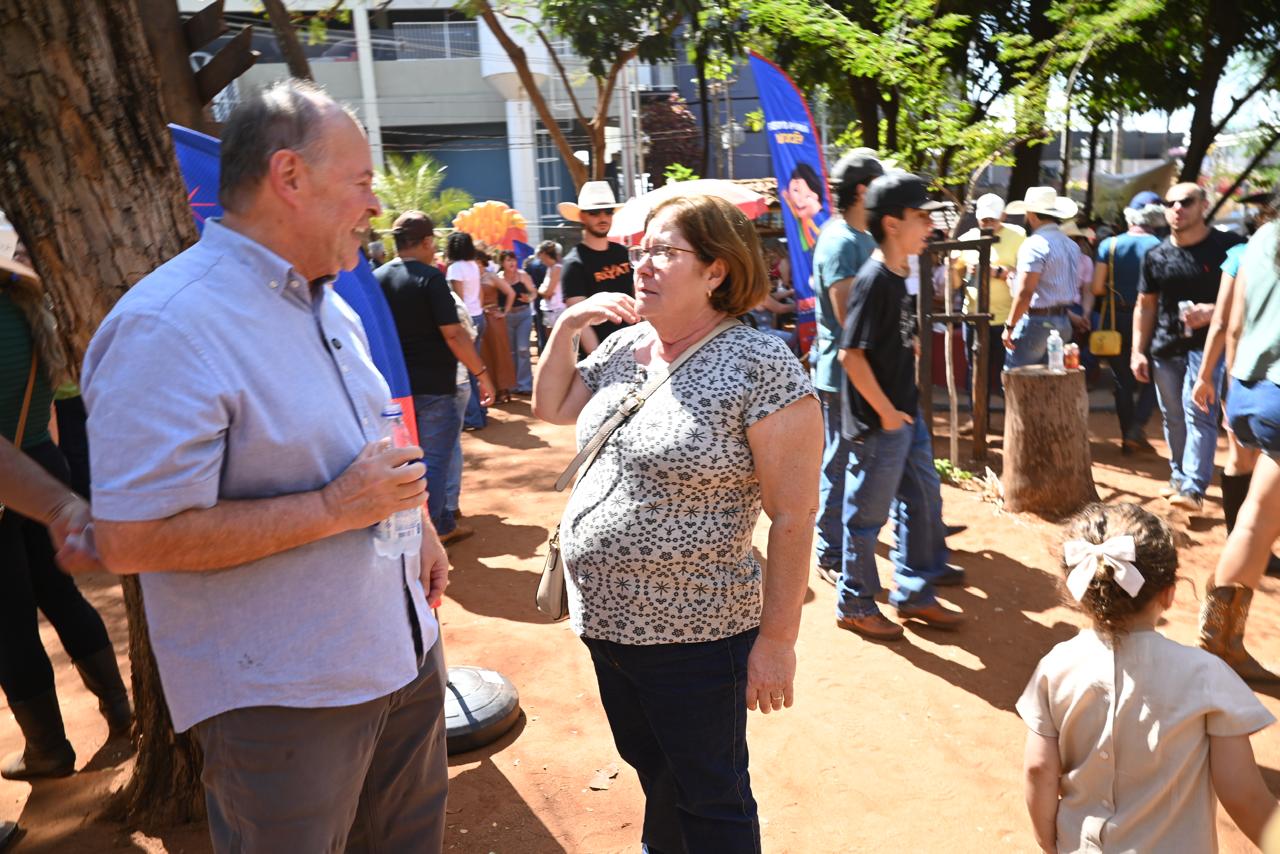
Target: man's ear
pixel 286 174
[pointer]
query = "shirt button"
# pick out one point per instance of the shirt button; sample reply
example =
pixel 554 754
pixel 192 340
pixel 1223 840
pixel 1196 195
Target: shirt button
pixel 275 284
pixel 1102 754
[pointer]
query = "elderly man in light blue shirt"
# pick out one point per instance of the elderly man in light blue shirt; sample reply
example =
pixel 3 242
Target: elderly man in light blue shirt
pixel 1046 286
pixel 235 425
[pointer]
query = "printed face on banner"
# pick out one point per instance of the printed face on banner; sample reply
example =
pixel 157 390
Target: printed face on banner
pixel 798 166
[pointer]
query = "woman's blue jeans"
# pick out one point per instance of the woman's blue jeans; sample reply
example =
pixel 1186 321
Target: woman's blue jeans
pixel 519 325
pixel 476 416
pixel 678 712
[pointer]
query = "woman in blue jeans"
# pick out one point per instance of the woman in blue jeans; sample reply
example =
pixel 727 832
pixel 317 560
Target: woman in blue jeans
pixel 519 318
pixel 685 632
pixel 1253 409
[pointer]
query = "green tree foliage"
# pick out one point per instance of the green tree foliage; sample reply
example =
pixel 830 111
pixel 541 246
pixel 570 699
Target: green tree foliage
pixel 945 88
pixel 413 183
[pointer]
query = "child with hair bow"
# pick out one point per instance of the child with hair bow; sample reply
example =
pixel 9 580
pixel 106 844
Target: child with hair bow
pixel 1131 734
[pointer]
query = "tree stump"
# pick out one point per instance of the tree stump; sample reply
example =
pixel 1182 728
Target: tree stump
pixel 1047 464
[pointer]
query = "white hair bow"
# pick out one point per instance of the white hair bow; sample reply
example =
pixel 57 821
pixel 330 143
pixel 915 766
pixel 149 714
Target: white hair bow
pixel 1086 559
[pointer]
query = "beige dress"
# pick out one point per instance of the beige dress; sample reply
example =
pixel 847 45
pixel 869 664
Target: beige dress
pixel 1133 728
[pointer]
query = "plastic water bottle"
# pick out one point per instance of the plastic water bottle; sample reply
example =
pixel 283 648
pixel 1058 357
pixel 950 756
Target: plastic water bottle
pixel 1055 352
pixel 401 532
pixel 1184 307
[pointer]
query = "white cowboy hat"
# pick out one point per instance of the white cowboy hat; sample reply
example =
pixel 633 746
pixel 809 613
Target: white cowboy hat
pixel 594 196
pixel 1044 200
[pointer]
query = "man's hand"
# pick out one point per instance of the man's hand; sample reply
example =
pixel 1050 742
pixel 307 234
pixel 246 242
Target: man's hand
pixel 1079 323
pixel 381 481
pixel 1007 338
pixel 1141 368
pixel 771 672
pixel 487 393
pixel 434 566
pixel 1199 315
pixel 71 529
pixel 895 420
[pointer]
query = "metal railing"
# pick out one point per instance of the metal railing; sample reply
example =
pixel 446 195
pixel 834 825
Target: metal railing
pixel 437 40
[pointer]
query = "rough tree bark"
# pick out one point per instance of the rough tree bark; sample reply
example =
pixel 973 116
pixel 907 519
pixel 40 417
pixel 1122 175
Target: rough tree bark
pixel 1047 464
pixel 92 186
pixel 287 39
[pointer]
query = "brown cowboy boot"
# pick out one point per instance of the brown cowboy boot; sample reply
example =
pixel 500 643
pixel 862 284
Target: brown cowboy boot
pixel 1222 622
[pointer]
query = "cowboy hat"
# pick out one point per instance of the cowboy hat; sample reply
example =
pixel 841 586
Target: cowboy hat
pixel 1070 229
pixel 11 269
pixel 1046 201
pixel 594 196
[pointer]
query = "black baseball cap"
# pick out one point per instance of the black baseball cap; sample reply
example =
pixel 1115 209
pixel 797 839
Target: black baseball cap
pixel 859 166
pixel 897 189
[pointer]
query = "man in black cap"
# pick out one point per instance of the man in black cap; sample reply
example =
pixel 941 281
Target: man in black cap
pixel 433 342
pixel 843 247
pixel 890 469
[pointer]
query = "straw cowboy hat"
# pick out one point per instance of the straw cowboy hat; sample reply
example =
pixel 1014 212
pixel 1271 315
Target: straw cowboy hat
pixel 594 196
pixel 1070 229
pixel 1046 201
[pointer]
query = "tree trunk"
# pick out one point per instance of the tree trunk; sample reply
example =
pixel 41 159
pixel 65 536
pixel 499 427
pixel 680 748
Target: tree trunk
pixel 704 97
pixel 577 171
pixel 287 39
pixel 891 121
pixel 178 93
pixel 1047 463
pixel 1026 169
pixel 1203 130
pixel 94 191
pixel 1095 132
pixel 866 101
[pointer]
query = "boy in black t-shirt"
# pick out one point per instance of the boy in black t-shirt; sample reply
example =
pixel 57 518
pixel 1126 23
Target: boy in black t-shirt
pixel 891 454
pixel 1185 268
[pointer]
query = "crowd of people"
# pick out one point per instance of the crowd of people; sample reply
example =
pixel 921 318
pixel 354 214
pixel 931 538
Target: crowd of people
pixel 322 725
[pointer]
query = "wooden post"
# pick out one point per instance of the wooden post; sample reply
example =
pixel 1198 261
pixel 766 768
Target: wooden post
pixel 953 398
pixel 1047 463
pixel 980 399
pixel 924 319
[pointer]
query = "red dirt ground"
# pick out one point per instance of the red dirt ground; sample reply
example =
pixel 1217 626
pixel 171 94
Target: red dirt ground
pixel 906 747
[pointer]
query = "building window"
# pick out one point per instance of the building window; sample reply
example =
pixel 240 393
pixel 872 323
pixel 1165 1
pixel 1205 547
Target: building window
pixel 436 40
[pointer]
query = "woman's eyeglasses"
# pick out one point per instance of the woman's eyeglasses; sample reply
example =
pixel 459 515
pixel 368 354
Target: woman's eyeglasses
pixel 659 252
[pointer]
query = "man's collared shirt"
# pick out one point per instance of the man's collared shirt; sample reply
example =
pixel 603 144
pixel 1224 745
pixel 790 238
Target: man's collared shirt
pixel 1053 255
pixel 224 375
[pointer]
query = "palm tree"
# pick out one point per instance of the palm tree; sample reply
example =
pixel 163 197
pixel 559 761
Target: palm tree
pixel 413 183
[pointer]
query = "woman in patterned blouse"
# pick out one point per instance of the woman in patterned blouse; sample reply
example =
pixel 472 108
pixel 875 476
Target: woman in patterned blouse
pixel 685 630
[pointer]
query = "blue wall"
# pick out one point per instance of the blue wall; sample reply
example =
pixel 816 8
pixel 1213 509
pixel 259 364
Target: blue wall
pixel 475 154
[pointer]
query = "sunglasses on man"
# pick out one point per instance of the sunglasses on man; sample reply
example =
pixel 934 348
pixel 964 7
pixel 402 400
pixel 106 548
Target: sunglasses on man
pixel 1189 201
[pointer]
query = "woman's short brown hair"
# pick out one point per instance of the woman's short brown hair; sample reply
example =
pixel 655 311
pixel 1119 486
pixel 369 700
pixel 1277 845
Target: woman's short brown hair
pixel 715 230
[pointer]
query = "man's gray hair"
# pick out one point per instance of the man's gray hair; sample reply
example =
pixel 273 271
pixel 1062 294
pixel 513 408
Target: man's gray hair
pixel 286 115
pixel 1148 216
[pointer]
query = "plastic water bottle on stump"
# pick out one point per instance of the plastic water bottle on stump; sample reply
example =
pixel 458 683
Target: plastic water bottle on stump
pixel 400 533
pixel 1055 351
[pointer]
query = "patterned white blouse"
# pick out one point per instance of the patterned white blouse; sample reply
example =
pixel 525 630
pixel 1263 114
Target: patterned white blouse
pixel 657 534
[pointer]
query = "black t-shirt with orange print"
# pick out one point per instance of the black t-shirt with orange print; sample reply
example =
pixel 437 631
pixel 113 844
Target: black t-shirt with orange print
pixel 587 272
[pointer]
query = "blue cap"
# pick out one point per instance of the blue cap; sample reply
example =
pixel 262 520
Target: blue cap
pixel 1140 201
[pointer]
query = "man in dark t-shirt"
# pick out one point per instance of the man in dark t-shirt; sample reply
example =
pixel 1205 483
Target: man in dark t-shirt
pixel 891 454
pixel 433 341
pixel 595 265
pixel 1184 269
